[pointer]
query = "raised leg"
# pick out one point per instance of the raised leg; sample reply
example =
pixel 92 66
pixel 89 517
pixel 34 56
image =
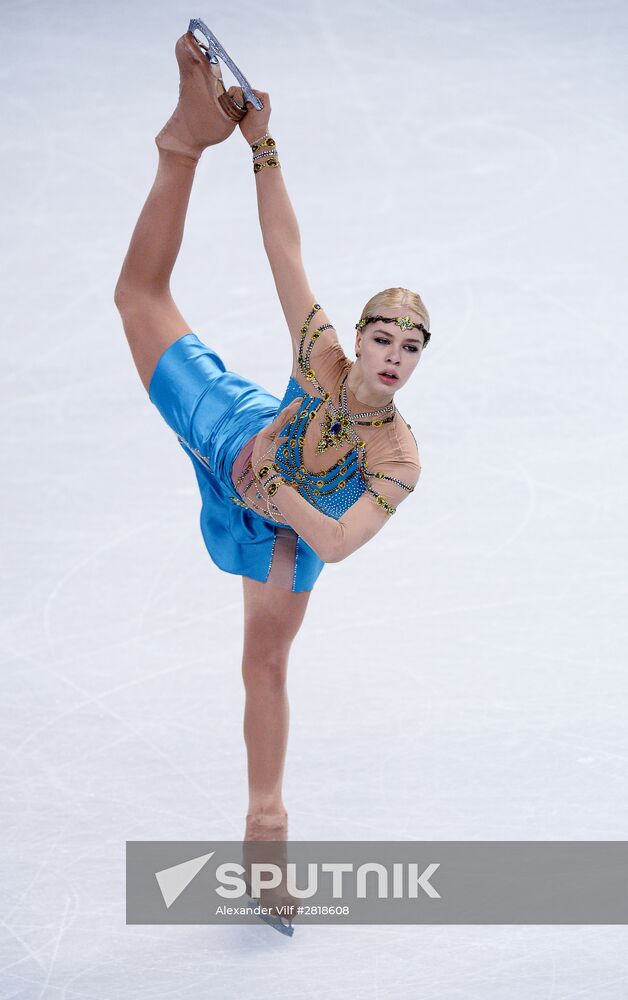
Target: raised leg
pixel 149 314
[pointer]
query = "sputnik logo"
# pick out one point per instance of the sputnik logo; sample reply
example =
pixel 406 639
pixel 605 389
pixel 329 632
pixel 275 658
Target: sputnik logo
pixel 172 881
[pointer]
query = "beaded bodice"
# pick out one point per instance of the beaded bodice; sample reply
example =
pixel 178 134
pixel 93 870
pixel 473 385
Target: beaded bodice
pixel 338 487
pixel 334 489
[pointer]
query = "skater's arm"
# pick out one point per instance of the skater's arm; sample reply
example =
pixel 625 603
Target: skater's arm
pixel 282 243
pixel 332 540
pixel 280 229
pixel 276 215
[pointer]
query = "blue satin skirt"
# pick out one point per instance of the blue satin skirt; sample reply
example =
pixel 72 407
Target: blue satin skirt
pixel 214 412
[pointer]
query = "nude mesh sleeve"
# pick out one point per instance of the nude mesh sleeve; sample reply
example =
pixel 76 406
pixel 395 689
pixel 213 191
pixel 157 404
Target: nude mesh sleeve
pixel 390 483
pixel 373 510
pixel 321 360
pixel 332 539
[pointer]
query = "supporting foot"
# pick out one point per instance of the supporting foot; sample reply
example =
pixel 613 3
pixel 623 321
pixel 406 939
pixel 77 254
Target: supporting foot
pixel 265 842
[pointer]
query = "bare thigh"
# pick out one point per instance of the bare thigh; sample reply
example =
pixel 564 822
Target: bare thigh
pixel 152 322
pixel 272 617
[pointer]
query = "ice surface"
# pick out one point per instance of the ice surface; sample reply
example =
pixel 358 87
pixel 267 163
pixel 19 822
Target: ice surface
pixel 478 687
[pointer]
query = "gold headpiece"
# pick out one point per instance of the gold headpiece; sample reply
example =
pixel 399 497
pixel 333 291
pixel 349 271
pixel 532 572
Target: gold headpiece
pixel 403 322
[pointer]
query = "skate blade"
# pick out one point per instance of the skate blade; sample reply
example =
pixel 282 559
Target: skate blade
pixel 213 49
pixel 274 921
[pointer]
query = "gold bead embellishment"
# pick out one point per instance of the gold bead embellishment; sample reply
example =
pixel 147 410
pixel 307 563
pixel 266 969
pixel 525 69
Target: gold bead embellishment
pixel 270 161
pixel 264 141
pixel 263 470
pixel 310 374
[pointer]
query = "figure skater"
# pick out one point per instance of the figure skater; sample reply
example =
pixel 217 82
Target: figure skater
pixel 286 485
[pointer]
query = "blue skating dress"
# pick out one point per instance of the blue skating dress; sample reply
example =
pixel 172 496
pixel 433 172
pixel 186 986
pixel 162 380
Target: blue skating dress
pixel 214 412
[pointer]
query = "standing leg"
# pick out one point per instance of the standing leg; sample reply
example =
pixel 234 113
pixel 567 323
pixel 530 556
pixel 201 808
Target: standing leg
pixel 272 618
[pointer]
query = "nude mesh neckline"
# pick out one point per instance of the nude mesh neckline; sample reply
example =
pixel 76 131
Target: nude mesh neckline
pixel 362 405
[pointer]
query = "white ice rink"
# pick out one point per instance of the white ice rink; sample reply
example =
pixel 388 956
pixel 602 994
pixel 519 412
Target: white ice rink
pixel 477 689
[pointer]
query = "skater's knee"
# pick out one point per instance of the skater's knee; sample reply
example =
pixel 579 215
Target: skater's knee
pixel 123 295
pixel 129 297
pixel 264 671
pixel 151 311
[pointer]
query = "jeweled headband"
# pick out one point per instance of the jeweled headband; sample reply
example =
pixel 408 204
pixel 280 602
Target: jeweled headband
pixel 403 322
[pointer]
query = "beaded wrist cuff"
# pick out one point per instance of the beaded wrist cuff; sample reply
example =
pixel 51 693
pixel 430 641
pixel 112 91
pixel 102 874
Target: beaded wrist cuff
pixel 265 149
pixel 271 485
pixel 265 152
pixel 266 140
pixel 270 161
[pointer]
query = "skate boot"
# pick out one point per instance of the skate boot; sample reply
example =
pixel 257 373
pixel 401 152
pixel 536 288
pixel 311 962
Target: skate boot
pixel 268 846
pixel 206 112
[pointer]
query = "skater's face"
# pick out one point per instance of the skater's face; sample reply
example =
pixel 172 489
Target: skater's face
pixel 386 347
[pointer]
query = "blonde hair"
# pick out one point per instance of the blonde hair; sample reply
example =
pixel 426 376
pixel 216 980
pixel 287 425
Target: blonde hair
pixel 401 298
